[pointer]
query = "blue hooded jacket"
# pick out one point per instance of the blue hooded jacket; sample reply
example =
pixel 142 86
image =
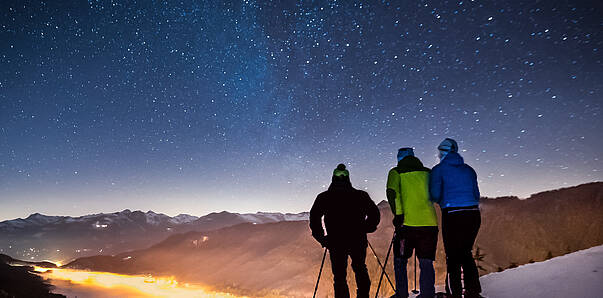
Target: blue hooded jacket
pixel 453 183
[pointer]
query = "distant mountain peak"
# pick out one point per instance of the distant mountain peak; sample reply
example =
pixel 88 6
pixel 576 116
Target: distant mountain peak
pixel 36 215
pixel 40 219
pixel 183 218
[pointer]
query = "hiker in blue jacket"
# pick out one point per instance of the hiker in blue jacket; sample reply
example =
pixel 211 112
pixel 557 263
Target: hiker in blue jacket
pixel 453 185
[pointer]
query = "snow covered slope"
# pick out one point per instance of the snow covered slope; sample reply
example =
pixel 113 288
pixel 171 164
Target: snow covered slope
pixel 579 274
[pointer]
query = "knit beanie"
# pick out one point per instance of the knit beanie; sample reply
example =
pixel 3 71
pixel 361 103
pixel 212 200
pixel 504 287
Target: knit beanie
pixel 449 145
pixel 340 171
pixel 446 146
pixel 404 152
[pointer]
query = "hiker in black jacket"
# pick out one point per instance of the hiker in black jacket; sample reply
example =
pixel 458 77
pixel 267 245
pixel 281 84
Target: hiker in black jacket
pixel 349 214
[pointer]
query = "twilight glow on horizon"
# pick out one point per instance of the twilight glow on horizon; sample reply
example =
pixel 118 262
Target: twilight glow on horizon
pixel 199 106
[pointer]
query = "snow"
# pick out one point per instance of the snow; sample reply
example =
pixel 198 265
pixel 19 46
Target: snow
pixel 103 220
pixel 266 217
pixel 261 217
pixel 249 218
pixel 41 219
pixel 297 217
pixel 152 218
pixel 183 218
pixel 156 218
pixel 35 219
pixel 579 274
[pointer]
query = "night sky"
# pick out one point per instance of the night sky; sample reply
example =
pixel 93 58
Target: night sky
pixel 193 107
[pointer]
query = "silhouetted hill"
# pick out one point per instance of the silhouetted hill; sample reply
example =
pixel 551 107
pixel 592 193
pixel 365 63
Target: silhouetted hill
pixel 547 224
pixel 18 281
pixel 9 260
pixel 282 256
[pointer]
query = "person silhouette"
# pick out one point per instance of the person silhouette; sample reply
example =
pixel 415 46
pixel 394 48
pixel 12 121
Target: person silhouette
pixel 453 185
pixel 349 214
pixel 415 222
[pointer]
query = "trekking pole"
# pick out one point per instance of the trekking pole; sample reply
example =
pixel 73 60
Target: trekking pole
pixel 383 269
pixel 447 284
pixel 415 290
pixel 320 272
pixel 382 266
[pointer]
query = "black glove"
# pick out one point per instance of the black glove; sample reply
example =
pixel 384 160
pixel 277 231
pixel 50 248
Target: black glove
pixel 324 242
pixel 370 229
pixel 322 239
pixel 398 224
pixel 398 221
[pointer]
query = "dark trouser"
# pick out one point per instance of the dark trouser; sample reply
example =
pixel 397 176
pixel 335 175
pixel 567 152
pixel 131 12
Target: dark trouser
pixel 423 241
pixel 339 265
pixel 459 230
pixel 426 277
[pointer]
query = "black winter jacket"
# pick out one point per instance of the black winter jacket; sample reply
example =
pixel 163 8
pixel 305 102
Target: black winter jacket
pixel 348 215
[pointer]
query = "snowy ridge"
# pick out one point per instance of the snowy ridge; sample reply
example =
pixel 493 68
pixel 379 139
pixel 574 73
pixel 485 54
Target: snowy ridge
pixel 266 217
pixel 183 218
pixel 40 237
pixel 96 220
pixel 35 219
pixel 297 216
pixel 156 218
pixel 578 274
pixel 103 220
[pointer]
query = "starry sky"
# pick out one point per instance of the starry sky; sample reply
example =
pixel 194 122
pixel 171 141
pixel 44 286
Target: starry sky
pixel 200 106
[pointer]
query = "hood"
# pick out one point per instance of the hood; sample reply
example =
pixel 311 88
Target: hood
pixel 410 163
pixel 404 152
pixel 453 158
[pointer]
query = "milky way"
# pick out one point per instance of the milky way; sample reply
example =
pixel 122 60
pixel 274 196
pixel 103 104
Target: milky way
pixel 191 107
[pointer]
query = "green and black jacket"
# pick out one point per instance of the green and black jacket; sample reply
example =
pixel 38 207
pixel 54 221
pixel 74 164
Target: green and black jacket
pixel 408 193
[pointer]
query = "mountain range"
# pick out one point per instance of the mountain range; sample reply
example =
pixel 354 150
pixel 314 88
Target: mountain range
pixel 282 259
pixel 274 255
pixel 62 238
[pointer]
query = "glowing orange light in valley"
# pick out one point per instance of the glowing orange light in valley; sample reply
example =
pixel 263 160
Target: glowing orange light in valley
pixel 142 285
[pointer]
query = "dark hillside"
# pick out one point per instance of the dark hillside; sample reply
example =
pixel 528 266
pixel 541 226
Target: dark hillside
pixel 18 281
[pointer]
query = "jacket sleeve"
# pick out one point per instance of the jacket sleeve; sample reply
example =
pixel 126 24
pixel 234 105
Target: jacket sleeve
pixel 435 185
pixel 373 217
pixel 316 214
pixel 476 193
pixel 392 189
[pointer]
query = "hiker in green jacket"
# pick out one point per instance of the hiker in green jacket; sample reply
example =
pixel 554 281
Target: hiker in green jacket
pixel 415 222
